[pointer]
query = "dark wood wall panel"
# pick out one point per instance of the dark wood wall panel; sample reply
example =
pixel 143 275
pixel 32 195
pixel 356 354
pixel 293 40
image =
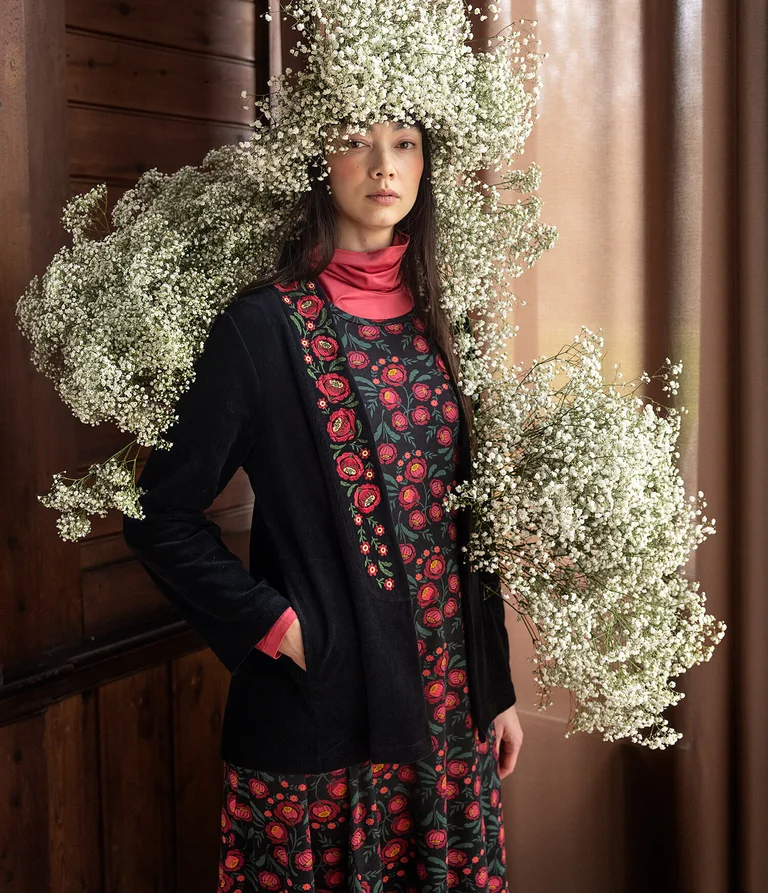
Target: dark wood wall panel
pixel 199 686
pixel 117 145
pixel 213 27
pixel 72 762
pixel 110 71
pixel 137 783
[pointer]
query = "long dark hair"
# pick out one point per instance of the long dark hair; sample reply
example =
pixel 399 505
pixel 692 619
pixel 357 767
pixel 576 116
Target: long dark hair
pixel 313 224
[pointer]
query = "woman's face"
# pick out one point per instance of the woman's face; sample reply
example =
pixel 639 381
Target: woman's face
pixel 389 156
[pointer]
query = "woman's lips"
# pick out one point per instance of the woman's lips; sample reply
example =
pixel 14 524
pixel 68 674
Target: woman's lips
pixel 384 199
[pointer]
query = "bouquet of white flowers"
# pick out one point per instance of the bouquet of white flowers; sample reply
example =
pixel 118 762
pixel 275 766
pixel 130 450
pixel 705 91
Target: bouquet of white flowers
pixel 584 517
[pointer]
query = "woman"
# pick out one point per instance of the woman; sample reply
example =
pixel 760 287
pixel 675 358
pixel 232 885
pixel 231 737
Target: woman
pixel 370 700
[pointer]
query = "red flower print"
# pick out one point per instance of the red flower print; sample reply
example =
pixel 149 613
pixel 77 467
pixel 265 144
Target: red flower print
pixel 452 700
pixel 349 466
pixel 495 882
pixel 444 436
pixel 421 391
pixel 394 849
pixel 225 881
pixel 441 664
pixel 368 332
pixel 415 469
pixel 324 810
pixel 291 285
pixel 397 804
pixel 453 582
pixel 436 838
pixel 276 832
pixel 332 856
pixel 334 386
pixel 309 306
pixel 417 520
pixel 387 453
pixel 452 879
pixel 334 878
pixel 455 858
pixel 433 617
pixel 457 678
pixel 420 343
pixel 367 497
pixel 280 854
pixel 257 787
pixel 450 411
pixel 338 789
pixel 226 824
pixel 440 363
pixel 290 813
pixel 435 512
pixel 325 347
pixel 457 768
pixel 436 487
pixel 420 415
pixel 451 607
pixel 472 811
pixel 268 880
pixel 232 779
pixel 394 328
pixel 419 324
pixel 408 496
pixel 304 860
pixel 394 374
pixel 481 878
pixel 358 813
pixel 389 398
pixel 357 838
pixel 427 594
pixel 434 567
pixel 399 421
pixel 358 359
pixel 406 773
pixel 434 691
pixel 407 552
pixel 341 425
pixel 494 794
pixel 234 860
pixel 402 824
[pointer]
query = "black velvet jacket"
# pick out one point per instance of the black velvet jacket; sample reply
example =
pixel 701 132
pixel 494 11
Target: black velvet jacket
pixel 272 394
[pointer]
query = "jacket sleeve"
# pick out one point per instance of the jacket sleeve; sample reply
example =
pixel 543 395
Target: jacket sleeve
pixel 498 610
pixel 179 547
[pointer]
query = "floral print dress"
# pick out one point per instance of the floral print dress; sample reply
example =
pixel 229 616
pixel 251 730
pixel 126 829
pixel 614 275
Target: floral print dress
pixel 426 827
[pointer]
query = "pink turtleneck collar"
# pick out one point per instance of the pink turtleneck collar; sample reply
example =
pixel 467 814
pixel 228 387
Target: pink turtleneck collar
pixel 367 283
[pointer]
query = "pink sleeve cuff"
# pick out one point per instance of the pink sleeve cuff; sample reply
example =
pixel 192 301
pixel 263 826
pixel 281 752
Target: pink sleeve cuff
pixel 271 642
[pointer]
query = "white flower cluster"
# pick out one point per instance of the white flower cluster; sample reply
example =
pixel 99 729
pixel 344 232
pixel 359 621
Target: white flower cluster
pixel 117 321
pixel 584 516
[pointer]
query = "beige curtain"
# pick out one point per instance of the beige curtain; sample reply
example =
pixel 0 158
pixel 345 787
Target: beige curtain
pixel 653 143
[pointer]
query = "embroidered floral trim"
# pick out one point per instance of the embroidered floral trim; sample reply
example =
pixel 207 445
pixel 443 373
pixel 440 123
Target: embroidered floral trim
pixel 337 401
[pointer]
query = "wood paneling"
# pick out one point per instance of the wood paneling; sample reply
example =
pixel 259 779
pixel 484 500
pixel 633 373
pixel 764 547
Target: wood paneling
pixel 137 783
pixel 199 686
pixel 213 27
pixel 117 145
pixel 109 71
pixel 72 763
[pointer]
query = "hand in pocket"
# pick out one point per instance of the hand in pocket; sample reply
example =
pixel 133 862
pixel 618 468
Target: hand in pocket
pixel 293 644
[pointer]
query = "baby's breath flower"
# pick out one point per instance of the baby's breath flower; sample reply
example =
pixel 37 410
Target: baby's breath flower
pixel 581 511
